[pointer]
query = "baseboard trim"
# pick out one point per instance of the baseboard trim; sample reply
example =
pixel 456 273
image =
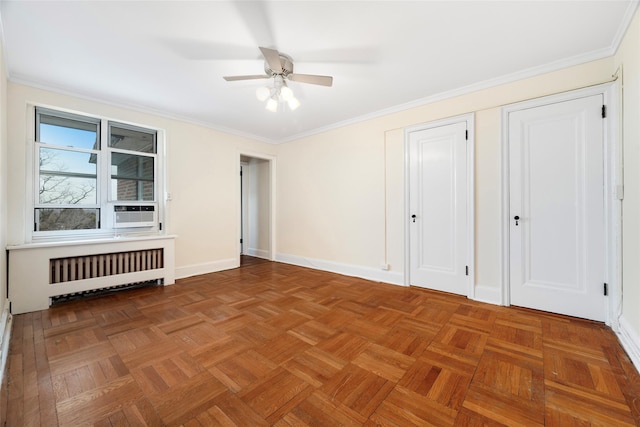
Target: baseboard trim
pixel 258 253
pixel 630 342
pixel 488 294
pixel 206 267
pixel 367 273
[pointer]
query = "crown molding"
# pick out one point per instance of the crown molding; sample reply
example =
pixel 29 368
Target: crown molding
pixel 624 26
pixel 18 79
pixel 507 78
pixel 465 90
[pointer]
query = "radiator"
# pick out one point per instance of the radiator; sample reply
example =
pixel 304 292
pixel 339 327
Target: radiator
pixel 91 266
pixel 42 272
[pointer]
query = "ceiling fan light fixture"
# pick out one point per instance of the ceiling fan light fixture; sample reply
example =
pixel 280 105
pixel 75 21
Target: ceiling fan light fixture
pixel 293 103
pixel 285 93
pixel 262 93
pixel 272 105
pixel 279 67
pixel 279 93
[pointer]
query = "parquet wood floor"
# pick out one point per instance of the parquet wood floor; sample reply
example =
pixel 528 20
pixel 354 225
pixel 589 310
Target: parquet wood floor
pixel 275 344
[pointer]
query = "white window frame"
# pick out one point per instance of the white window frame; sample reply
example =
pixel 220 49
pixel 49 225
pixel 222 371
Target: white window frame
pixel 154 156
pixel 105 202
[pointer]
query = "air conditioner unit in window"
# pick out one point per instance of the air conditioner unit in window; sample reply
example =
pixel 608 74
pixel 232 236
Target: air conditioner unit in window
pixel 127 216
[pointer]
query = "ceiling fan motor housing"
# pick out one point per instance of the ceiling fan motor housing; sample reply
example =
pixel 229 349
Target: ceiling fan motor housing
pixel 285 62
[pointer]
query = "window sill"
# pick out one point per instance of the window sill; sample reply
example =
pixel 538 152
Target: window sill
pixel 93 241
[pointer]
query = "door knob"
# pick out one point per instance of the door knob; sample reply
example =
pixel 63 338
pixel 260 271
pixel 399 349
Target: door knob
pixel 517 218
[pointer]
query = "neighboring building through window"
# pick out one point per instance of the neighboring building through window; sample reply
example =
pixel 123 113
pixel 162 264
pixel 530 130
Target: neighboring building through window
pixel 87 166
pixel 132 163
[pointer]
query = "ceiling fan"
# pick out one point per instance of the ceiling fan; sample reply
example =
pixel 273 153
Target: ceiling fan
pixel 278 64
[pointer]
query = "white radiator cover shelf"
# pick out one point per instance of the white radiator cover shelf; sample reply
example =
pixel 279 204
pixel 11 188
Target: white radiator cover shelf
pixel 30 287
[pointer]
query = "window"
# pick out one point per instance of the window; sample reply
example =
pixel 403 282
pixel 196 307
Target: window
pixel 132 163
pixel 88 168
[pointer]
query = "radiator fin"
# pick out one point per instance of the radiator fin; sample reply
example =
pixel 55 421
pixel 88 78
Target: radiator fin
pixel 100 265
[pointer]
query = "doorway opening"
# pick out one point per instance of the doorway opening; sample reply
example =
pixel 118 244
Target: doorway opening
pixel 257 207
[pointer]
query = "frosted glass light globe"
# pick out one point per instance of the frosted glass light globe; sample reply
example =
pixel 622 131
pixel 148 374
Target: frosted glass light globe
pixel 272 105
pixel 293 103
pixel 262 93
pixel 286 93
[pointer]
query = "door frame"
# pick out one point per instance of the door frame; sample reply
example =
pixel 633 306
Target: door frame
pixel 470 252
pixel 244 215
pixel 272 200
pixel 612 191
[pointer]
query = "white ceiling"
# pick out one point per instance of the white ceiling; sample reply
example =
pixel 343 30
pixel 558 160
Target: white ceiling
pixel 170 56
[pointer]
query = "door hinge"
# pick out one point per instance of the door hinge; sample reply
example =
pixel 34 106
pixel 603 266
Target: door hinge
pixel 606 290
pixel 160 225
pixel 466 270
pixel 466 135
pixel 240 173
pixel 240 240
pixel 604 111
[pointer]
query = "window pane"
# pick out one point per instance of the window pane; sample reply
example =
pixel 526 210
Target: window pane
pixel 67 190
pixel 67 177
pixel 134 140
pixel 132 177
pixel 131 166
pixel 67 132
pixel 132 190
pixel 67 219
pixel 66 161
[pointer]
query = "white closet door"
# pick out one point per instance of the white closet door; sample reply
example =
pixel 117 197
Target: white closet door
pixel 438 203
pixel 557 208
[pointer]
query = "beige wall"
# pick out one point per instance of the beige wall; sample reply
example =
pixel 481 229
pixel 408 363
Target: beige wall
pixel 331 196
pixel 341 193
pixel 202 167
pixel 628 57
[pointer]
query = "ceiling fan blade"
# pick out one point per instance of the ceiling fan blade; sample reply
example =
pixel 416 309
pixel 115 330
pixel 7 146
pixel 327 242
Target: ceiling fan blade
pixel 273 59
pixel 311 78
pixel 256 18
pixel 253 77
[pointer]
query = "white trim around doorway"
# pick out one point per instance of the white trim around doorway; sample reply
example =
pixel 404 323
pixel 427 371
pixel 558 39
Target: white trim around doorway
pixel 271 256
